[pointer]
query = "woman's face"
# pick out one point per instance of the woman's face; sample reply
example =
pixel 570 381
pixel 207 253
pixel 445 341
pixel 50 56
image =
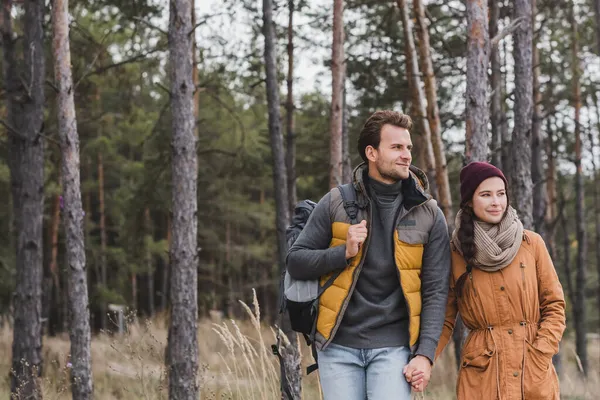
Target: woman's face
pixel 489 200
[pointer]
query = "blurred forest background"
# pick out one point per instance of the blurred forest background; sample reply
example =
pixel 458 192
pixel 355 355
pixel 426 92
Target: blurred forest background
pixel 120 65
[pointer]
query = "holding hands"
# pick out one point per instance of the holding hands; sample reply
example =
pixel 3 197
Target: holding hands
pixel 418 372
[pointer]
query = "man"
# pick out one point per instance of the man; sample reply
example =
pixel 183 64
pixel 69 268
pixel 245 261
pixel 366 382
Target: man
pixel 384 313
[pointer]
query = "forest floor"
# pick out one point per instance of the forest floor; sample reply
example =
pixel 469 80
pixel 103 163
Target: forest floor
pixel 235 363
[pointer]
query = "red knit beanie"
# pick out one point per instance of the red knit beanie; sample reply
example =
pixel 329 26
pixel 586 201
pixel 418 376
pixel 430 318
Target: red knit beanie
pixel 471 177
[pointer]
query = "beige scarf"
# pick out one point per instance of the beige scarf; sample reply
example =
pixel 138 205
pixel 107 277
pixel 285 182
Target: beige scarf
pixel 496 245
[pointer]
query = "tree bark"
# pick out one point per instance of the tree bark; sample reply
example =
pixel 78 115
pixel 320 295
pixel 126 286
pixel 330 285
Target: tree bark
pixel 290 370
pixel 79 318
pixel 289 105
pixel 478 50
pixel 182 352
pixel 597 9
pixel 551 193
pixel 540 199
pixel 521 185
pixel 507 159
pixel 418 97
pixel 103 272
pixel 25 114
pixel 597 197
pixel 579 309
pixel 347 167
pixel 149 263
pixel 165 275
pixel 53 267
pixel 496 112
pixel 433 114
pixel 337 72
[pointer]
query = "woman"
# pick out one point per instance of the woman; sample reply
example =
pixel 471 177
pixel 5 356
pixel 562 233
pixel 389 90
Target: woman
pixel 505 287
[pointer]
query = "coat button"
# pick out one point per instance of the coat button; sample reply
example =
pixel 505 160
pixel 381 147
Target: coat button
pixel 510 331
pixel 501 287
pixel 515 374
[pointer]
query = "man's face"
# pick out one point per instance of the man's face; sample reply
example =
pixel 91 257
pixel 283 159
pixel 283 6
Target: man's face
pixel 391 161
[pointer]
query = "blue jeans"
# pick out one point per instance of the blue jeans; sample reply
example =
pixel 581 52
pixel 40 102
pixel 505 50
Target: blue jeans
pixel 359 374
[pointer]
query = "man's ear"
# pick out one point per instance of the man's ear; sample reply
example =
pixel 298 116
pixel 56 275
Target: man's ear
pixel 371 153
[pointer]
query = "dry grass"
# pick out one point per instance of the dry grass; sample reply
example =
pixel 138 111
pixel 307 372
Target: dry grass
pixel 236 363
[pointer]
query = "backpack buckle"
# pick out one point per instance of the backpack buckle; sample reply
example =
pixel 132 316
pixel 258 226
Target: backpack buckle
pixel 351 207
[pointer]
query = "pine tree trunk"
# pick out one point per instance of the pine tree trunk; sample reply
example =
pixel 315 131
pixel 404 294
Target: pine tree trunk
pixel 103 266
pixel 25 114
pixel 597 199
pixel 507 160
pixel 165 276
pixel 289 106
pixel 418 97
pixel 496 113
pixel 478 50
pixel 597 9
pixel 567 258
pixel 347 167
pixel 551 194
pixel 54 273
pixel 79 321
pixel 290 370
pixel 182 352
pixel 337 72
pixel 540 199
pixel 522 196
pixel 433 114
pixel 579 308
pixel 149 263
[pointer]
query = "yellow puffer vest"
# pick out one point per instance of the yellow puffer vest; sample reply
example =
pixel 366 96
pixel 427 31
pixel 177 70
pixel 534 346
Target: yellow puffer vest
pixel 410 236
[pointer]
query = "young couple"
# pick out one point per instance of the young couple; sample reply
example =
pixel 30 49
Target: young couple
pixel 391 311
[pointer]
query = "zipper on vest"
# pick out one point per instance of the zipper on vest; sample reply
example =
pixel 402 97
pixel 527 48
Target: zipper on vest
pixel 398 271
pixel 523 275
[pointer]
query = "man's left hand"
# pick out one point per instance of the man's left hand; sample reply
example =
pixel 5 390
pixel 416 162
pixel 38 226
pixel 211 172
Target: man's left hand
pixel 418 372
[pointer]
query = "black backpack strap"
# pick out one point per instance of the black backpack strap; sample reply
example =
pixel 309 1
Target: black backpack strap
pixel 349 199
pixel 315 366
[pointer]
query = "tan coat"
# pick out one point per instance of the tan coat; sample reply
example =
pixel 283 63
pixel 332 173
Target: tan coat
pixel 516 318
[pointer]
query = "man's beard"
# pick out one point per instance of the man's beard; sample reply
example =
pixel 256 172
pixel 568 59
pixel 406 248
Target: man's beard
pixel 390 173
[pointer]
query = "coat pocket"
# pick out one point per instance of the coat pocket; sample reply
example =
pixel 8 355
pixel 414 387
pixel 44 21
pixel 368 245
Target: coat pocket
pixel 537 364
pixel 477 359
pixel 539 378
pixel 477 375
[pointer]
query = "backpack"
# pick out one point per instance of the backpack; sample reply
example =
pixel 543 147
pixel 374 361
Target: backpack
pixel 300 298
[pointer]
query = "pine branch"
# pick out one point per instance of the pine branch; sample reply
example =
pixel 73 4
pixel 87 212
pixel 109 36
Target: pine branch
pixel 507 31
pixel 10 129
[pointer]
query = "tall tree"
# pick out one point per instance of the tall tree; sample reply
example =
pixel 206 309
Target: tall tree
pixel 79 318
pixel 478 50
pixel 289 116
pixel 496 82
pixel 149 260
pixel 290 368
pixel 596 175
pixel 521 185
pixel 182 353
pixel 579 308
pixel 103 239
pixel 347 168
pixel 25 116
pixel 418 96
pixel 597 9
pixel 540 199
pixel 337 87
pixel 433 113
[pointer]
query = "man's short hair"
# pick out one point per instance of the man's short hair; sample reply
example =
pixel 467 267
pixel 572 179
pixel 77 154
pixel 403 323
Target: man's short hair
pixel 370 135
